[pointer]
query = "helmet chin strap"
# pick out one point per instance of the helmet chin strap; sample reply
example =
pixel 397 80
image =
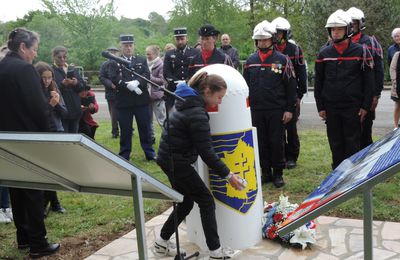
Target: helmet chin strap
pixel 340 40
pixel 267 48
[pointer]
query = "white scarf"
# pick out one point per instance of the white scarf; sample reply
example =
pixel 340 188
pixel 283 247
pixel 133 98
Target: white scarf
pixel 151 63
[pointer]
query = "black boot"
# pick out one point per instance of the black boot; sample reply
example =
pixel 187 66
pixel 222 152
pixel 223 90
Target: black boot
pixel 278 178
pixel 266 176
pixel 290 164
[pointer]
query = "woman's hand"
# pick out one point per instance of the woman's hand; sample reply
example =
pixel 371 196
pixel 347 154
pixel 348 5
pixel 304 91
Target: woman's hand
pixel 91 107
pixel 235 182
pixel 70 82
pixel 54 98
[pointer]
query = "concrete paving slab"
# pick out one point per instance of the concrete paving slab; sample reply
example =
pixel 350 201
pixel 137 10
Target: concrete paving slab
pixel 336 239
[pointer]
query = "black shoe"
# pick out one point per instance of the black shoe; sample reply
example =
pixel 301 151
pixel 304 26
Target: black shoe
pixel 115 136
pixel 278 181
pixel 266 176
pixel 49 250
pixel 291 164
pixel 58 209
pixel 23 246
pixel 151 158
pixel 153 140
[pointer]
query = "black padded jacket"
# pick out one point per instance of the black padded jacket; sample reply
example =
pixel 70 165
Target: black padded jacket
pixel 189 135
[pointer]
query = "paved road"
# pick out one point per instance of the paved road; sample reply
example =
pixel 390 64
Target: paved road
pixel 309 117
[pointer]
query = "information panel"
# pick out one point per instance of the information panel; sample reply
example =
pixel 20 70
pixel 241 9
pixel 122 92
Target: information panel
pixel 351 174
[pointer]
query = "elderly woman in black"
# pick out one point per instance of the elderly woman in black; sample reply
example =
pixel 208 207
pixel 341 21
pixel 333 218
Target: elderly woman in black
pixel 25 109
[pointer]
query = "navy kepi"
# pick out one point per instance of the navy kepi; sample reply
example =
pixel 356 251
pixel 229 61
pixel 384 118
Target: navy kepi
pixel 126 38
pixel 181 31
pixel 208 30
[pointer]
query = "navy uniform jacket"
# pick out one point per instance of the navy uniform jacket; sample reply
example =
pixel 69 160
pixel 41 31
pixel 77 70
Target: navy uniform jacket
pixel 105 79
pixel 295 54
pixel 23 105
pixel 344 81
pixel 271 82
pixel 376 51
pixel 126 98
pixel 218 57
pixel 176 65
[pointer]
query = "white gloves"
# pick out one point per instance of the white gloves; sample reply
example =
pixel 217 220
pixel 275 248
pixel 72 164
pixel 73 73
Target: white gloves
pixel 179 82
pixel 134 86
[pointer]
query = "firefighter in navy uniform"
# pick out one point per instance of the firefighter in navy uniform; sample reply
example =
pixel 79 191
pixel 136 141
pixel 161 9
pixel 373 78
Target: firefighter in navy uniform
pixel 132 100
pixel 272 95
pixel 375 49
pixel 295 54
pixel 209 54
pixel 176 62
pixel 344 85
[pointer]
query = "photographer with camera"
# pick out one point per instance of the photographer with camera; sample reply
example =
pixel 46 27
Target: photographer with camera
pixel 89 106
pixel 70 84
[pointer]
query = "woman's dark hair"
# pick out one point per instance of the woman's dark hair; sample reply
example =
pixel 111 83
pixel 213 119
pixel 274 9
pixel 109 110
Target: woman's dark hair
pixel 21 35
pixel 201 81
pixel 56 50
pixel 42 67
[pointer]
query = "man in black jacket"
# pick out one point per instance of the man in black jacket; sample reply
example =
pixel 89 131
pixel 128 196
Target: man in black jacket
pixel 70 84
pixel 295 54
pixel 229 50
pixel 375 49
pixel 176 62
pixel 111 91
pixel 133 99
pixel 344 85
pixel 209 54
pixel 272 95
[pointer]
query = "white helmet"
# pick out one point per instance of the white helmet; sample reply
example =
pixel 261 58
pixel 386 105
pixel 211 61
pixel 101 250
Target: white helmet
pixel 340 19
pixel 358 15
pixel 263 30
pixel 281 24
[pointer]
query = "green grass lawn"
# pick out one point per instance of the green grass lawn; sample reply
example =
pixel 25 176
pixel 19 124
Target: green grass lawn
pixel 92 219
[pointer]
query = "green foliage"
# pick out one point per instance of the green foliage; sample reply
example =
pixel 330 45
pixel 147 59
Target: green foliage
pixel 226 16
pixel 87 27
pixel 86 21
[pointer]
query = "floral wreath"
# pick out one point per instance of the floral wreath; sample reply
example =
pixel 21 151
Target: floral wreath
pixel 275 214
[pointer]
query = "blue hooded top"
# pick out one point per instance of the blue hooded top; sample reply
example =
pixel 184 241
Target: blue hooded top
pixel 191 96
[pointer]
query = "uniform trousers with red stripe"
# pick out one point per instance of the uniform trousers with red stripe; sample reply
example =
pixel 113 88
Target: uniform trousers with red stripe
pixel 270 134
pixel 344 131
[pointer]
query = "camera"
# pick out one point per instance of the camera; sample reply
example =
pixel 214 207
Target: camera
pixel 87 100
pixel 71 71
